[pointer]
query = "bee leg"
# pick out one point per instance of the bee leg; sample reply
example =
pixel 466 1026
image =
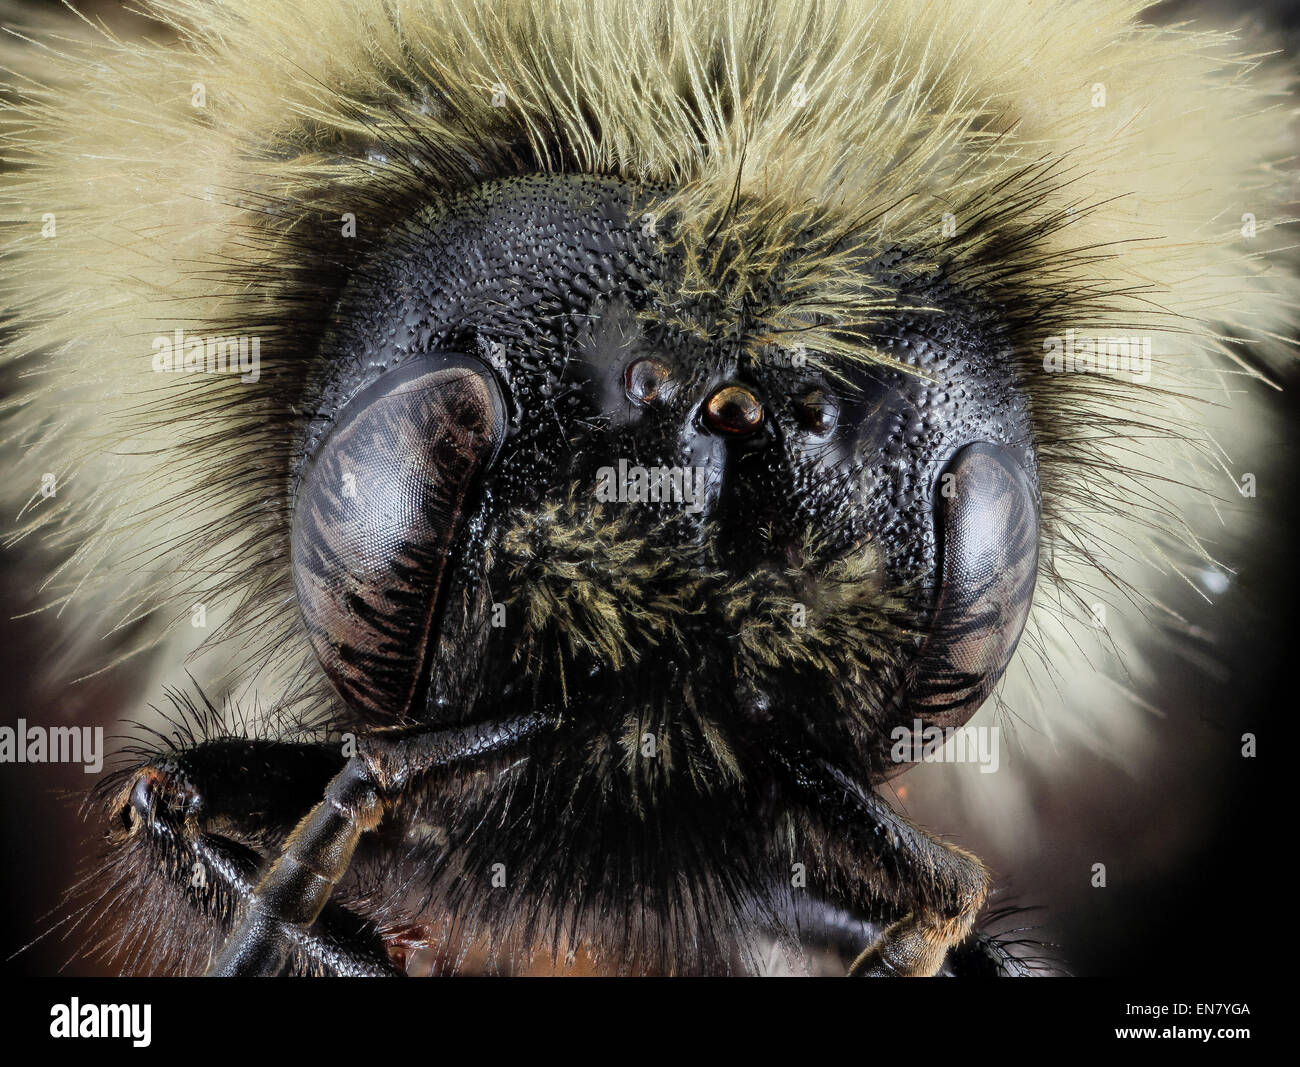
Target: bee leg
pixel 296 888
pixel 990 951
pixel 939 888
pixel 258 790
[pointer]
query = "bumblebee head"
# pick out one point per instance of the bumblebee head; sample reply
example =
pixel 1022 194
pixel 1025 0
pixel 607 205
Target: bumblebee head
pixel 824 276
pixel 536 421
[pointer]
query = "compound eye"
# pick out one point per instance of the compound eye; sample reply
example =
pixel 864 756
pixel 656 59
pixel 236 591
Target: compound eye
pixel 987 523
pixel 648 380
pixel 816 411
pixel 377 511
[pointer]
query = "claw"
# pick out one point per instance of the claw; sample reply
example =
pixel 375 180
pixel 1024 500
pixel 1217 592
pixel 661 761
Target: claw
pixel 154 789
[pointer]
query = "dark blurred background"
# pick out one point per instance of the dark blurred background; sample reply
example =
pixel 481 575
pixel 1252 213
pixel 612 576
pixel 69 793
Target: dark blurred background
pixel 1187 842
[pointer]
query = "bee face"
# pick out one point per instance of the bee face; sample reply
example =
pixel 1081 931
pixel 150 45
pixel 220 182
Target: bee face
pixel 659 408
pixel 636 484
